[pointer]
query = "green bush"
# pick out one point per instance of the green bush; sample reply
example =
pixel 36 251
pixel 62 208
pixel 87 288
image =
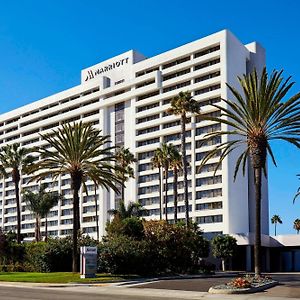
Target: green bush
pixel 132 227
pixel 165 248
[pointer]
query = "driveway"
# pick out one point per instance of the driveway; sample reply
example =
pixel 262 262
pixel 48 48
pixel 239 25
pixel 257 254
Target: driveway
pixel 289 285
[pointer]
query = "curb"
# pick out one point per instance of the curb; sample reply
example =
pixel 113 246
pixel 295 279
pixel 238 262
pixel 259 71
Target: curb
pixel 214 290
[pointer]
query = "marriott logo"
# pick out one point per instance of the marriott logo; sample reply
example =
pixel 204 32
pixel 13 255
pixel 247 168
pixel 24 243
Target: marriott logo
pixel 91 74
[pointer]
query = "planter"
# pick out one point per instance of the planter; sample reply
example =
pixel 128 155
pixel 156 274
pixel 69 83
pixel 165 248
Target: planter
pixel 226 289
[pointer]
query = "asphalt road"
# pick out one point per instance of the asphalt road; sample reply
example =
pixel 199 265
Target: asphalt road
pixel 289 286
pixel 18 293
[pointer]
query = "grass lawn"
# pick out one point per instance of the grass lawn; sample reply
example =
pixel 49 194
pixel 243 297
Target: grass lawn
pixel 61 277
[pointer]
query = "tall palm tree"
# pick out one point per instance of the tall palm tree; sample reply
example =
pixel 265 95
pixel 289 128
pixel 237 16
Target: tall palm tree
pixel 176 165
pixel 83 153
pixel 124 159
pixel 257 116
pixel 166 150
pixel 133 209
pixel 298 191
pixel 274 220
pixel 16 160
pixel 183 105
pixel 156 162
pixel 40 204
pixel 297 225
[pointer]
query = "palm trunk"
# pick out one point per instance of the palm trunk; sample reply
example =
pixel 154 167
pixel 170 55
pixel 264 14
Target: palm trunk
pixel 257 245
pixel 160 194
pixel 46 228
pixel 96 207
pixel 166 195
pixel 76 183
pixel 36 233
pixel 175 193
pixel 184 165
pixel 16 179
pixel 275 229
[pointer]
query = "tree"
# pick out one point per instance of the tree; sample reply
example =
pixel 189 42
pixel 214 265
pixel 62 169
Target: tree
pixel 257 117
pixel 124 159
pixel 133 209
pixel 156 162
pixel 297 225
pixel 82 153
pixel 298 191
pixel 166 160
pixel 224 247
pixel 40 204
pixel 17 160
pixel 176 165
pixel 274 220
pixel 182 105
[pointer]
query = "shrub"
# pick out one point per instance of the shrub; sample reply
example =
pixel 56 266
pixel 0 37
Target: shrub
pixel 124 255
pixel 132 227
pixel 164 248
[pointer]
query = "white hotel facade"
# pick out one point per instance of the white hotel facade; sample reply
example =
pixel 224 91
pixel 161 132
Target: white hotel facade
pixel 127 97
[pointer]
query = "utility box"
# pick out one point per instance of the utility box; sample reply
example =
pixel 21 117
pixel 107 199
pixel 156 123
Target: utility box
pixel 88 262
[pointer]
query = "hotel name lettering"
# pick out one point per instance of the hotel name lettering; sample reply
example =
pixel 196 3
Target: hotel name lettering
pixel 93 73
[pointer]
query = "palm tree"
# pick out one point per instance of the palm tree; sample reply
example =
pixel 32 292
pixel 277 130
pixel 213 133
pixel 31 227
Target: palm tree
pixel 124 159
pixel 156 162
pixel 40 204
pixel 297 225
pixel 182 105
pixel 298 191
pixel 17 160
pixel 274 220
pixel 166 160
pixel 133 209
pixel 83 153
pixel 176 165
pixel 257 117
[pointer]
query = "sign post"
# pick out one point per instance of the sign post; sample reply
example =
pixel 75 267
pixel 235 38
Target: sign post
pixel 88 262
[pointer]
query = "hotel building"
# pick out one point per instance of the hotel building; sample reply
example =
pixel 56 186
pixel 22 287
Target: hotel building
pixel 127 97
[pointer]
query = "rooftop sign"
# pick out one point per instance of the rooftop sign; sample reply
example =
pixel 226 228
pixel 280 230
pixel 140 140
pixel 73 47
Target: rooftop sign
pixel 92 73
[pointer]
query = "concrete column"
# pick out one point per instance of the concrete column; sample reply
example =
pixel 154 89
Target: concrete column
pixel 248 259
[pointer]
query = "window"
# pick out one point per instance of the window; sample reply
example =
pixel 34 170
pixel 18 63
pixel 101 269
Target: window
pixel 208 142
pixel 145 83
pixel 210 101
pixel 148 189
pixel 147 119
pixel 207 51
pixel 207 64
pixel 208 76
pixel 146 107
pixel 208 129
pixel 176 74
pixel 209 193
pixel 145 167
pixel 147 178
pixel 176 86
pixel 176 62
pixel 147 142
pixel 207 89
pixel 210 168
pixel 145 96
pixel 145 155
pixel 210 205
pixel 147 130
pixel 147 71
pixel 209 219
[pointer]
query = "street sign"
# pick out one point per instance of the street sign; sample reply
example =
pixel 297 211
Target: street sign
pixel 88 262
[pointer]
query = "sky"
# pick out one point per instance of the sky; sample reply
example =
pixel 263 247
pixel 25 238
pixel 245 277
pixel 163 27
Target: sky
pixel 45 44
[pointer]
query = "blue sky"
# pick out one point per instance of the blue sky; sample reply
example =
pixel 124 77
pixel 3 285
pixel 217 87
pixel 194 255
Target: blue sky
pixel 45 44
